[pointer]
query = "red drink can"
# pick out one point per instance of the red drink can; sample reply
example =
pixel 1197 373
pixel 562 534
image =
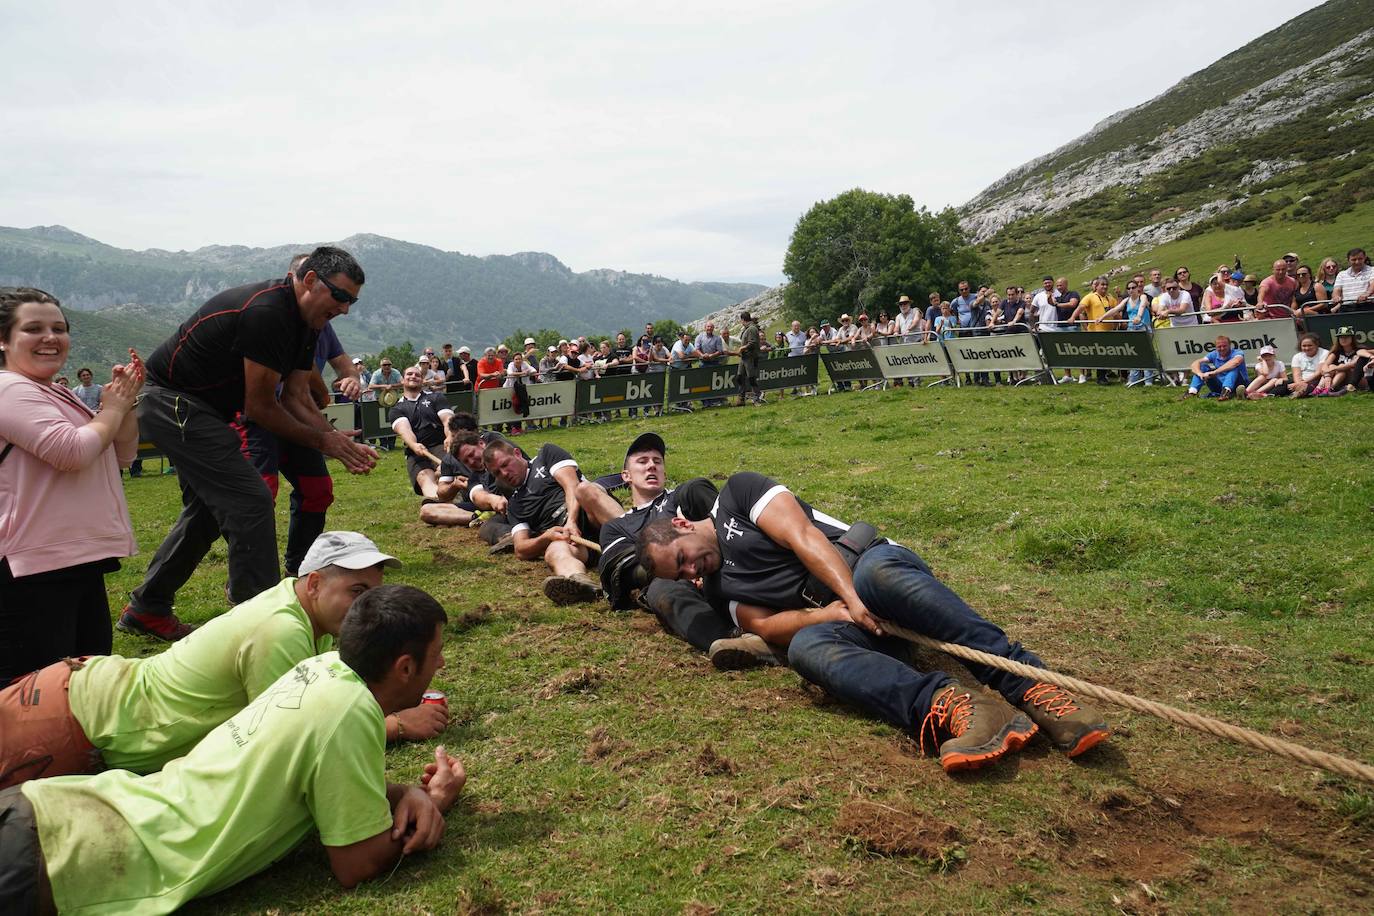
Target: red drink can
pixel 433 698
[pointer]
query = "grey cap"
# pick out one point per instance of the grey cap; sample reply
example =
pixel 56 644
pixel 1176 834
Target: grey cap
pixel 344 548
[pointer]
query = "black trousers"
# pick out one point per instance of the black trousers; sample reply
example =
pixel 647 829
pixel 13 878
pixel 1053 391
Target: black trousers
pixel 686 613
pixel 221 495
pixel 49 616
pixel 312 489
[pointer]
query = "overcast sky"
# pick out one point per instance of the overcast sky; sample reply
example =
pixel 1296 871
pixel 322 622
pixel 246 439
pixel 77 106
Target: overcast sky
pixel 682 138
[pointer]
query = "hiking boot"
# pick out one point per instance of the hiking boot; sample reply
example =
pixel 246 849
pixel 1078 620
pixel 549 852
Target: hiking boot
pixel 166 628
pixel 980 728
pixel 505 544
pixel 575 589
pixel 735 653
pixel 1071 725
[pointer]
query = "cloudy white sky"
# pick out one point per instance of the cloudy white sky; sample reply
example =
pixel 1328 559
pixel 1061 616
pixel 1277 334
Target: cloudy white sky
pixel 679 138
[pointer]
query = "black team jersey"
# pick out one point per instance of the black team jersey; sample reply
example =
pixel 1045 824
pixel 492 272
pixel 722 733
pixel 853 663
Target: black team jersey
pixel 754 568
pixel 539 504
pixel 423 414
pixel 204 358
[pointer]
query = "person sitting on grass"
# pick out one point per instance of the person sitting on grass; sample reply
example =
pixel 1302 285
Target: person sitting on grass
pixel 1270 380
pixel 420 418
pixel 1343 370
pixel 83 715
pixel 307 756
pixel 822 589
pixel 1307 367
pixel 1222 370
pixel 546 518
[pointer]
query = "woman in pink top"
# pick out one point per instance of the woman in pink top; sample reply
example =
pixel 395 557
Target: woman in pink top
pixel 63 520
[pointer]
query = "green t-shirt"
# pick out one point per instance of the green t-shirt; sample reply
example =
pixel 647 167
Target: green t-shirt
pixel 142 712
pixel 309 753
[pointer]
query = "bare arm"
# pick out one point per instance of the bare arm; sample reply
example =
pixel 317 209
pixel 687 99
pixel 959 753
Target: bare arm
pixel 568 479
pixel 346 376
pixel 778 627
pixel 260 403
pixel 402 428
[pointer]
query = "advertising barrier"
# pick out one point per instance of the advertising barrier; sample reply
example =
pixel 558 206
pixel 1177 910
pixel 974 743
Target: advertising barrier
pixel 461 401
pixel 853 366
pixel 788 372
pixel 1179 347
pixel 339 416
pixel 912 360
pixel 373 420
pixel 702 383
pixel 1098 350
pixel 616 391
pixel 1324 326
pixel 553 399
pixel 999 353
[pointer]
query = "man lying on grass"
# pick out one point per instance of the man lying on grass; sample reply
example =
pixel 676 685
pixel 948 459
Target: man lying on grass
pixel 681 607
pixel 308 755
pixel 467 493
pixel 821 588
pixel 545 515
pixel 81 716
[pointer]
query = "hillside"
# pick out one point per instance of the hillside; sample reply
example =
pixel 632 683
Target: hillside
pixel 413 291
pixel 1258 153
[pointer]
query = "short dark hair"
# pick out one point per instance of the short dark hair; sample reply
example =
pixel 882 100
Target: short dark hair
pixel 11 297
pixel 296 261
pixel 385 623
pixel 460 439
pixel 1312 337
pixel 326 261
pixel 83 369
pixel 1354 251
pixel 655 534
pixel 462 421
pixel 498 447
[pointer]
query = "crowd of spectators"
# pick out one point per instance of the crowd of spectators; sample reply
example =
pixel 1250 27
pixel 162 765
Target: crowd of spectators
pixel 1142 301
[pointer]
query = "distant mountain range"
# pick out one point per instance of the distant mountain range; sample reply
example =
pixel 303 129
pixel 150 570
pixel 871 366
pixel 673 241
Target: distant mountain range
pixel 413 292
pixel 1278 132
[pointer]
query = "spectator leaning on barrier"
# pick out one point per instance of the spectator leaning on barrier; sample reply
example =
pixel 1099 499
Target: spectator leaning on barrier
pixel 1222 371
pixel 1307 367
pixel 1277 289
pixel 491 370
pixel 1222 298
pixel 1326 274
pixel 684 351
pixel 908 321
pixel 1269 380
pixel 1185 281
pixel 1134 310
pixel 1177 305
pixel 1352 288
pixel 1310 297
pixel 1094 308
pixel 796 340
pixel 1155 288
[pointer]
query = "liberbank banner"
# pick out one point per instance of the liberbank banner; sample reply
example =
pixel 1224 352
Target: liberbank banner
pixel 1179 347
pixel 702 382
pixel 852 366
pixel 554 399
pixel 1098 350
pixel 912 360
pixel 788 372
pixel 615 391
pixel 1001 353
pixel 1325 327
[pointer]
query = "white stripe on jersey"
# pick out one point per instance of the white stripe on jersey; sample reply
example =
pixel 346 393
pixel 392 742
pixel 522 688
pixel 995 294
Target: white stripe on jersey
pixel 762 503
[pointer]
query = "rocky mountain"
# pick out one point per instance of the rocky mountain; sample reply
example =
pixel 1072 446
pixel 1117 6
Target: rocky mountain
pixel 1280 129
pixel 766 306
pixel 414 292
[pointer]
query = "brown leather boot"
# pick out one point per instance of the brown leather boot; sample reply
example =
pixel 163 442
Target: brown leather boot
pixel 1071 725
pixel 980 728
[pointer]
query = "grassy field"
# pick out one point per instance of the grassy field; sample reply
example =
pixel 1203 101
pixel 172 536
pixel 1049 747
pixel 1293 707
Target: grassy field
pixel 1212 556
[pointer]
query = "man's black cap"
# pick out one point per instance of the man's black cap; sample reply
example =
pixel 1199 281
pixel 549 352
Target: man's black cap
pixel 646 442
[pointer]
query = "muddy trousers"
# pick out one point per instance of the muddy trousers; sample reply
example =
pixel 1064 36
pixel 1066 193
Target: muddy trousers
pixel 686 613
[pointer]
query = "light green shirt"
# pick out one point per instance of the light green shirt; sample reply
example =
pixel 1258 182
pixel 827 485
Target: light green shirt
pixel 309 753
pixel 142 712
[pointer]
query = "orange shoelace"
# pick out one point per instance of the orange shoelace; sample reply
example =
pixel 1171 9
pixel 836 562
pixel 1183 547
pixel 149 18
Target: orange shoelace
pixel 950 710
pixel 1053 699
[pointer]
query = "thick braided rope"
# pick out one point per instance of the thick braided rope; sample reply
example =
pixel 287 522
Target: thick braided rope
pixel 1325 761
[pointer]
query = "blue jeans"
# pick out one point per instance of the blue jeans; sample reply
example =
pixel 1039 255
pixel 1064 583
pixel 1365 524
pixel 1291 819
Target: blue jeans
pixel 1232 379
pixel 865 670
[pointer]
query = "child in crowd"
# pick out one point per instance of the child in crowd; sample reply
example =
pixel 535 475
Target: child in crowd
pixel 1269 381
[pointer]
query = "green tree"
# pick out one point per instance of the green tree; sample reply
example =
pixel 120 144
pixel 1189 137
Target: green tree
pixel 862 250
pixel 543 339
pixel 401 356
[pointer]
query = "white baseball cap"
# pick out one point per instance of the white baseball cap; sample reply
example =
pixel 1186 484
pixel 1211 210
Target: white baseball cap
pixel 348 549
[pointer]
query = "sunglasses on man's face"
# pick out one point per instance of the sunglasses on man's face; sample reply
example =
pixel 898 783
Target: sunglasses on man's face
pixel 339 295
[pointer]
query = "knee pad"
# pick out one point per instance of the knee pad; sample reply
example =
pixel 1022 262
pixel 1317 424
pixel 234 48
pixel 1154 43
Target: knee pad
pixel 317 493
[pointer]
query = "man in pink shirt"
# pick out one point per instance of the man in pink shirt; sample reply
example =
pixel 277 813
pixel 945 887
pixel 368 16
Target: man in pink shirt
pixel 1277 289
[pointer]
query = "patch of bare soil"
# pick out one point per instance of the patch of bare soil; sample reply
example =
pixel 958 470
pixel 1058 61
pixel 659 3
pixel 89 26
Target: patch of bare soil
pixel 710 762
pixel 884 830
pixel 578 680
pixel 601 745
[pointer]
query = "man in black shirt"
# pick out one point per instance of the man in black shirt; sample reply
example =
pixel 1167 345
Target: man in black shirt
pixel 419 418
pixel 680 606
pixel 229 357
pixel 802 579
pixel 543 508
pixel 466 491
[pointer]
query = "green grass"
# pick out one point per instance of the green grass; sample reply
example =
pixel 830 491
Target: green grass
pixel 1214 557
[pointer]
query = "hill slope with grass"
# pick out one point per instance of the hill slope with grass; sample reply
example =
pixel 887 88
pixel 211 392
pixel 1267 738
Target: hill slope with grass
pixel 612 769
pixel 1267 149
pixel 413 291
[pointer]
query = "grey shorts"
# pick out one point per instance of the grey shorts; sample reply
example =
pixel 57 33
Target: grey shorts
pixel 21 860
